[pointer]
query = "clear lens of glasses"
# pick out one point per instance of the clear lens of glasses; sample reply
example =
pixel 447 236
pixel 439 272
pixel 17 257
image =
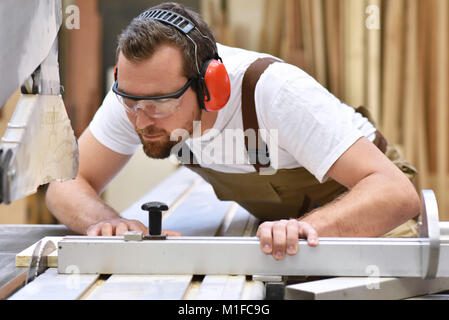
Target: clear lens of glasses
pixel 152 108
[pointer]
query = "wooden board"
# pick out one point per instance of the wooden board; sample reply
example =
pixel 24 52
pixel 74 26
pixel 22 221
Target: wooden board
pixel 307 37
pixel 411 86
pixel 392 69
pixel 442 102
pixel 150 287
pixel 373 60
pixel 355 288
pixel 319 44
pixel 53 286
pixel 23 258
pixel 171 191
pixel 334 38
pixel 221 288
pixel 354 52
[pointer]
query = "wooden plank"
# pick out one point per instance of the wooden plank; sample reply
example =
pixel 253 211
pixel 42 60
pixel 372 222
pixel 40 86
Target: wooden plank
pixel 13 284
pixel 292 48
pixel 200 214
pixel 354 52
pixel 309 64
pixel 411 87
pixel 221 288
pixel 151 287
pixel 239 222
pixel 442 102
pixel 53 286
pixel 365 288
pixel 392 69
pixel 319 44
pixel 373 58
pixel 253 290
pixel 334 38
pixel 251 227
pixel 23 258
pixel 270 40
pixel 227 220
pixel 423 150
pixel 171 191
pixel 192 290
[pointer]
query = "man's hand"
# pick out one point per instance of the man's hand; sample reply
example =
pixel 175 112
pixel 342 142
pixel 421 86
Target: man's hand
pixel 279 237
pixel 119 226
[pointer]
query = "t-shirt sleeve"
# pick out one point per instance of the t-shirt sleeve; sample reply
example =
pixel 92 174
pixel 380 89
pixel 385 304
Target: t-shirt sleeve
pixel 112 128
pixel 313 125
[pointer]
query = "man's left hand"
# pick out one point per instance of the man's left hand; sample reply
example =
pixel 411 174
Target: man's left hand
pixel 280 237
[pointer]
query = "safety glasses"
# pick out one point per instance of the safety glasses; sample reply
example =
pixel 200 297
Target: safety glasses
pixel 153 107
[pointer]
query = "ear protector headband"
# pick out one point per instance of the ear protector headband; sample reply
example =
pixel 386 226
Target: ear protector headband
pixel 213 85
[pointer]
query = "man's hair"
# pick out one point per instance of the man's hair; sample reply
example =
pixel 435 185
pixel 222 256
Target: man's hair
pixel 143 36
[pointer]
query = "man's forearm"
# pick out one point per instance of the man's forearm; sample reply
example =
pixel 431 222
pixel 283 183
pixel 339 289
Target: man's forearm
pixel 376 205
pixel 75 204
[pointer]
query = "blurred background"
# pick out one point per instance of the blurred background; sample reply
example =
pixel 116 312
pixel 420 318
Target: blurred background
pixel 390 56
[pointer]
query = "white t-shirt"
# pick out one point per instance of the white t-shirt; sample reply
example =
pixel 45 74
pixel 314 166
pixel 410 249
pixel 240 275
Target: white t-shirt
pixel 307 126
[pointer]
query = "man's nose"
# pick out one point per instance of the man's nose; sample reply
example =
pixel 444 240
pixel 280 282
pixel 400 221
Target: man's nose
pixel 143 120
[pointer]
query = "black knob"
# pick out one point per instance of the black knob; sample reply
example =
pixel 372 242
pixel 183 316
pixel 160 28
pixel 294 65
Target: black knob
pixel 155 216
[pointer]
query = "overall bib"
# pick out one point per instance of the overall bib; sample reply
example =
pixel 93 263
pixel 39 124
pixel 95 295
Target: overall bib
pixel 289 193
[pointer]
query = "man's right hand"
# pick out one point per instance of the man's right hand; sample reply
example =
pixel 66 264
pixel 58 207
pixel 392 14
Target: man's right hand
pixel 118 227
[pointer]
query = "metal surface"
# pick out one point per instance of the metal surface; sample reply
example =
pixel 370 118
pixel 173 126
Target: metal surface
pixel 242 255
pixel 42 262
pixel 31 274
pixel 39 263
pixel 29 30
pixel 429 228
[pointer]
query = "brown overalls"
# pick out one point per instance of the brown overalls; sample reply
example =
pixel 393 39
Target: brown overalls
pixel 289 193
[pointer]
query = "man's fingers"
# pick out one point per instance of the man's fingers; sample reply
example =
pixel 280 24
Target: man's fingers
pixel 279 239
pixel 106 229
pixel 308 232
pixel 121 229
pixel 94 230
pixel 292 236
pixel 118 227
pixel 265 237
pixel 171 233
pixel 135 225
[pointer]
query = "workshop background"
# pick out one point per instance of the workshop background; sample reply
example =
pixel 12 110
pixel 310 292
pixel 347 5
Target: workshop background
pixel 390 56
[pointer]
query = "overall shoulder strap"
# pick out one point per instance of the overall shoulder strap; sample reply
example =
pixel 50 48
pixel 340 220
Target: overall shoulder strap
pixel 249 115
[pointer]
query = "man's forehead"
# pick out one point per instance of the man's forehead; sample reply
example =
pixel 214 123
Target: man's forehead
pixel 165 59
pixel 162 72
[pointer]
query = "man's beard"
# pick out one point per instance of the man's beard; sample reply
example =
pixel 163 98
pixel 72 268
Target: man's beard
pixel 162 148
pixel 159 149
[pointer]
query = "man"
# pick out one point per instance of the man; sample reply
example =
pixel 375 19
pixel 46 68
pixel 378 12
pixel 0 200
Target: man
pixel 329 178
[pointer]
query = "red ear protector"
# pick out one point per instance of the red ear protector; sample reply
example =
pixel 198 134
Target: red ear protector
pixel 115 73
pixel 214 87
